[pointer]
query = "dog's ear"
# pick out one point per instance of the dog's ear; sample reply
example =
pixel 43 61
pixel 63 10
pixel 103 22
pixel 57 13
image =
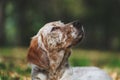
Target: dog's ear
pixel 36 55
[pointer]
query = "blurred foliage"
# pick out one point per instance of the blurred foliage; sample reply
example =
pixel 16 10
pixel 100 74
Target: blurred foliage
pixel 13 64
pixel 21 19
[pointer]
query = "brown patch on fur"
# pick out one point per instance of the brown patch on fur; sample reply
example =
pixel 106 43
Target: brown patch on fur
pixel 69 39
pixel 58 73
pixel 37 56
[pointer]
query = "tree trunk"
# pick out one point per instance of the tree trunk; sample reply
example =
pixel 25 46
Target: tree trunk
pixel 2 20
pixel 22 23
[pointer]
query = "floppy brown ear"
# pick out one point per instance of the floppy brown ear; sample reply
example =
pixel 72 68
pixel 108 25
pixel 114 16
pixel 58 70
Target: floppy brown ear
pixel 36 55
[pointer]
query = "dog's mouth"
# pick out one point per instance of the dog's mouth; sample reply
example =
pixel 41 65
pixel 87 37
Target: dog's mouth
pixel 80 30
pixel 79 27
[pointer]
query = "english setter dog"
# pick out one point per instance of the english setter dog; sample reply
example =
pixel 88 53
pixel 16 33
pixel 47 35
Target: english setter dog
pixel 49 52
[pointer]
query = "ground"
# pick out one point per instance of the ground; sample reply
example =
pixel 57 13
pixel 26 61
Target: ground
pixel 14 66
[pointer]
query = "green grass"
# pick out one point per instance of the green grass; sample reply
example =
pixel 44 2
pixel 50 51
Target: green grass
pixel 13 64
pixel 96 58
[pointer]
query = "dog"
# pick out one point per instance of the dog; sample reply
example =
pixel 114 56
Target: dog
pixel 50 49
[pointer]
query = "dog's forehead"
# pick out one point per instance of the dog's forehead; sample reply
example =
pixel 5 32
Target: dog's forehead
pixel 47 27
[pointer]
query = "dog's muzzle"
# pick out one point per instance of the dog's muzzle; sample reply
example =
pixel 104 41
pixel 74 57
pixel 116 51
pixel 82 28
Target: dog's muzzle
pixel 78 25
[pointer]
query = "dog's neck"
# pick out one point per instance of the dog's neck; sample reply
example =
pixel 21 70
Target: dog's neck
pixel 58 66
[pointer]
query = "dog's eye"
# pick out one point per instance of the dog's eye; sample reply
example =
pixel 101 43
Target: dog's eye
pixel 55 28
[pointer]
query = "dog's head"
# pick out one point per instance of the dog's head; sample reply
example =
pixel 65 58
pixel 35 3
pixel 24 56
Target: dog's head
pixel 57 35
pixel 53 40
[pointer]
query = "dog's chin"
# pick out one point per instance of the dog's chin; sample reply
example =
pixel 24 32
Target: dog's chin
pixel 78 39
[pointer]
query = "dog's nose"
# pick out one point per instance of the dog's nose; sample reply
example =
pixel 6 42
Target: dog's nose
pixel 77 24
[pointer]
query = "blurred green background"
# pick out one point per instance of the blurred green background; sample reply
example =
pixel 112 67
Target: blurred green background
pixel 21 19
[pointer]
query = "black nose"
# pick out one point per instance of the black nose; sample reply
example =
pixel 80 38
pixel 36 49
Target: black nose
pixel 77 24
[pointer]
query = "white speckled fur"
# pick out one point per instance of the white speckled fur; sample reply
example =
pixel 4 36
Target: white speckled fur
pixel 74 73
pixel 85 73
